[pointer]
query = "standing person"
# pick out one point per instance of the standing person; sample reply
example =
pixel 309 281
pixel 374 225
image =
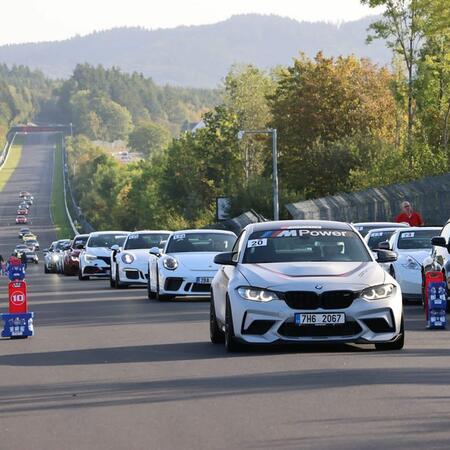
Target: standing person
pixel 409 216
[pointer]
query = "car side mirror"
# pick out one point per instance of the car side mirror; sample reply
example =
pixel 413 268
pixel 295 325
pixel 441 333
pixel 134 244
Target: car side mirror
pixel 384 245
pixel 225 259
pixel 439 241
pixel 385 256
pixel 115 248
pixel 155 251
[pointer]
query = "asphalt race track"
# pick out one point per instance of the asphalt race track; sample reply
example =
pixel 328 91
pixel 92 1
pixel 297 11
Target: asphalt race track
pixel 109 369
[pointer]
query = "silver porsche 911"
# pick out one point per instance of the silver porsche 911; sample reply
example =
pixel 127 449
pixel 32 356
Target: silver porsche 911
pixel 305 281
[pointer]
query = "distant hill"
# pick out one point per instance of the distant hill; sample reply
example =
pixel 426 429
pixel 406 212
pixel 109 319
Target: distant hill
pixel 198 56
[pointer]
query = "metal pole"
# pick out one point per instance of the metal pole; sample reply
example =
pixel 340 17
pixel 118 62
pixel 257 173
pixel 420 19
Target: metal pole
pixel 276 207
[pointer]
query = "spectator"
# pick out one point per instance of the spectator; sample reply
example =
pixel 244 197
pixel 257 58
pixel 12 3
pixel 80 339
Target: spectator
pixel 409 216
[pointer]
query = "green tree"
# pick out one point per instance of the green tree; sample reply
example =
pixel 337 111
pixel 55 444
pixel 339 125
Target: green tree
pixel 149 138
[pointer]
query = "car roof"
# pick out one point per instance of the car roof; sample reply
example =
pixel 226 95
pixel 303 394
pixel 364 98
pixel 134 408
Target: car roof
pixel 204 231
pixel 393 224
pixel 101 233
pixel 381 230
pixel 151 231
pixel 263 226
pixel 80 236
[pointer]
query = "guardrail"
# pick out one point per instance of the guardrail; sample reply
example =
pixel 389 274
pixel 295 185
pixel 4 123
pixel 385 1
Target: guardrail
pixel 6 148
pixel 74 213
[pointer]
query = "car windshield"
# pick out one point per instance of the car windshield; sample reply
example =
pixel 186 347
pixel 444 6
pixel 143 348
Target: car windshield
pixel 378 236
pixel 364 229
pixel 145 240
pixel 415 240
pixel 305 245
pixel 200 242
pixel 61 245
pixel 80 240
pixel 106 240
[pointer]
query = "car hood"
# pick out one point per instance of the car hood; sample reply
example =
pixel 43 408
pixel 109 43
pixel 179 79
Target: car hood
pixel 142 254
pixel 98 251
pixel 299 275
pixel 418 255
pixel 203 261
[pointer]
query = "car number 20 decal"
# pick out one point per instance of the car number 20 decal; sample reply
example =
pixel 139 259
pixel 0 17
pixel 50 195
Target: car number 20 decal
pixel 257 243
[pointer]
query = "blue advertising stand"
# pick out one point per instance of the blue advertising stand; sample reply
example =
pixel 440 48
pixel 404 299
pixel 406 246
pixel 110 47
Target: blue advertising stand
pixel 437 305
pixel 18 325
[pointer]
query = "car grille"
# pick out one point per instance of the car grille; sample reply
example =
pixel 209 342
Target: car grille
pixel 307 300
pixel 200 287
pixel 259 327
pixel 378 325
pixel 173 284
pixel 289 329
pixel 132 274
pixel 106 259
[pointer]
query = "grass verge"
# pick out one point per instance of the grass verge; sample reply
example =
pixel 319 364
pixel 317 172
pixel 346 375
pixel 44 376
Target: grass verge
pixel 12 161
pixel 60 219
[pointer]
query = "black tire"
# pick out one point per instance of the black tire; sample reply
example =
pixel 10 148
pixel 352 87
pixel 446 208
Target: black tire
pixel 46 269
pixel 151 295
pixel 112 283
pixel 215 333
pixel 395 345
pixel 231 344
pixel 158 296
pixel 118 284
pixel 81 277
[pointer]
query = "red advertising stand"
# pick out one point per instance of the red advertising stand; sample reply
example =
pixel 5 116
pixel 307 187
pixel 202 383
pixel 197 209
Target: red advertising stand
pixel 430 277
pixel 17 296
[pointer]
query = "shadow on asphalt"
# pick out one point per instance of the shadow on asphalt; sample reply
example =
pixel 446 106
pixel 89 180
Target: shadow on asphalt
pixel 100 394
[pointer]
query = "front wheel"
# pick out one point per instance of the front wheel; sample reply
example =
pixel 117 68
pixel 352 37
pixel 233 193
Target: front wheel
pixel 215 333
pixel 231 344
pixel 398 344
pixel 81 277
pixel 151 295
pixel 46 269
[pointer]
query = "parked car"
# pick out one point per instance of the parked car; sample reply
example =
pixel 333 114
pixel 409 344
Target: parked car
pixel 129 265
pixel 22 212
pixel 186 266
pixel 95 259
pixel 53 254
pixel 364 227
pixel 32 244
pixel 71 265
pixel 377 235
pixel 412 246
pixel 23 231
pixel 21 219
pixel 305 281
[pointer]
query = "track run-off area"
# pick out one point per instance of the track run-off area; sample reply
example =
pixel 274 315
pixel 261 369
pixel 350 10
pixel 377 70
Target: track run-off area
pixel 110 369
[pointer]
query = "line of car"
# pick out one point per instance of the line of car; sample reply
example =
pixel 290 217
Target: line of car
pixel 27 249
pixel 289 281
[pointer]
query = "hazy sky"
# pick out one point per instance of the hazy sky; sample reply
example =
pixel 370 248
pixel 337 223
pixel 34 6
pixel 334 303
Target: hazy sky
pixel 43 20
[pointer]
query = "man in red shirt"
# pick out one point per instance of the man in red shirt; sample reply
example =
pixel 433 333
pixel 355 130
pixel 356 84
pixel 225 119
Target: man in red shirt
pixel 409 216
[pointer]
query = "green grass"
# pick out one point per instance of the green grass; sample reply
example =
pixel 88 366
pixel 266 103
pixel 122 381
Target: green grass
pixel 60 219
pixel 12 161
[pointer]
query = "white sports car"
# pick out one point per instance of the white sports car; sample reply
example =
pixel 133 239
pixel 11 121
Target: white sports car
pixel 95 258
pixel 305 281
pixel 186 265
pixel 129 265
pixel 412 247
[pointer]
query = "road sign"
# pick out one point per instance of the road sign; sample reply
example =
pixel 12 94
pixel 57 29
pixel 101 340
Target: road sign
pixel 17 296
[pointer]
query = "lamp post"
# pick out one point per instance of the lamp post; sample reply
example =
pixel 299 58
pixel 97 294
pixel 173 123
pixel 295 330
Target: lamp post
pixel 273 133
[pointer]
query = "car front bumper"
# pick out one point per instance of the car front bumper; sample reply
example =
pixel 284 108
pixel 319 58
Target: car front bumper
pixel 133 274
pixel 270 322
pixel 95 268
pixel 186 283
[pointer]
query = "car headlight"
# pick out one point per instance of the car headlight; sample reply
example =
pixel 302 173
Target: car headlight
pixel 88 257
pixel 54 258
pixel 74 258
pixel 257 295
pixel 127 258
pixel 378 292
pixel 170 263
pixel 411 264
